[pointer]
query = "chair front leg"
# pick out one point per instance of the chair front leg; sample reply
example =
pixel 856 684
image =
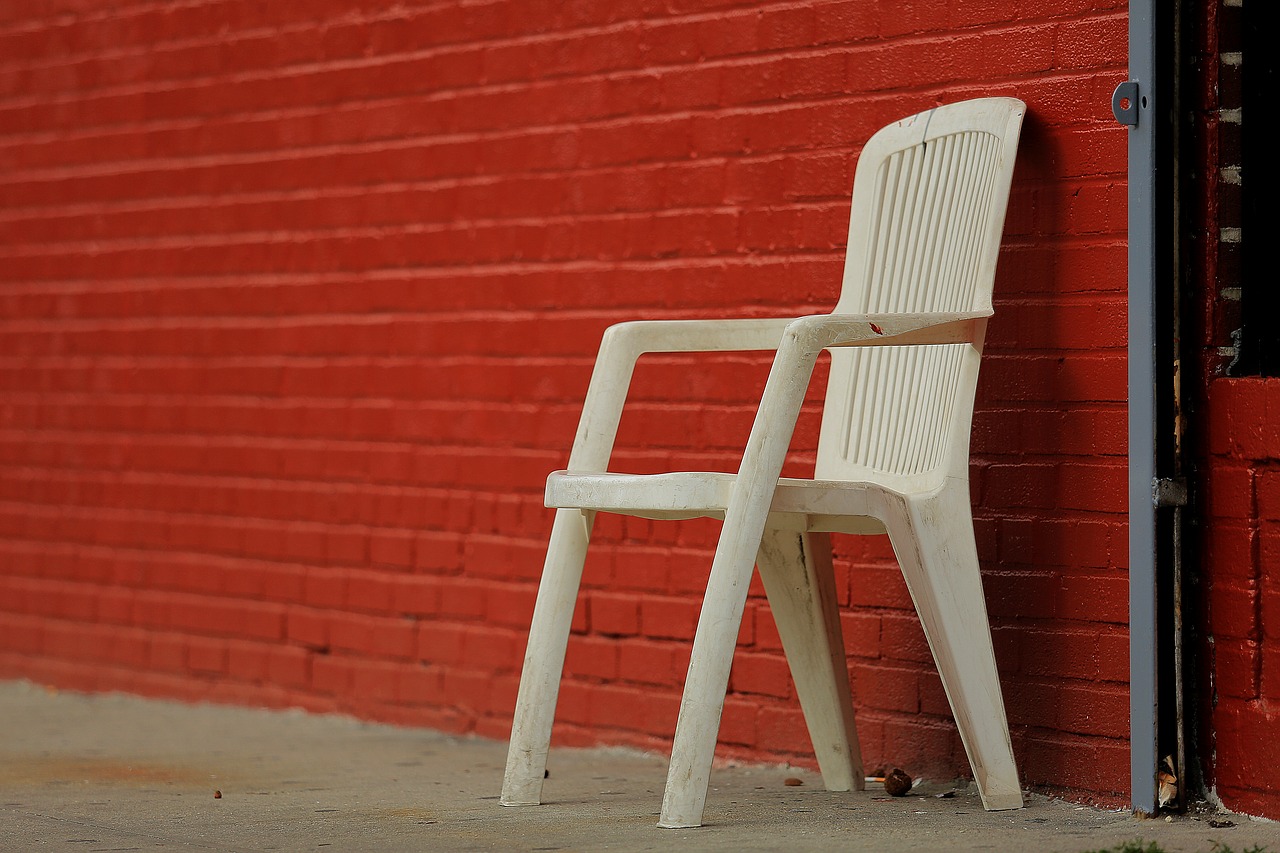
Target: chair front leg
pixel 544 658
pixel 694 747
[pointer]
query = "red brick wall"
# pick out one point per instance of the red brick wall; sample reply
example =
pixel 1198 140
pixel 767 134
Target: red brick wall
pixel 1236 444
pixel 1240 564
pixel 298 302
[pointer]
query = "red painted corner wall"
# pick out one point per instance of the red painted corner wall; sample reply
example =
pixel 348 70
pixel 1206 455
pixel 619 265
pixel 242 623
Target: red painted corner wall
pixel 298 302
pixel 1240 564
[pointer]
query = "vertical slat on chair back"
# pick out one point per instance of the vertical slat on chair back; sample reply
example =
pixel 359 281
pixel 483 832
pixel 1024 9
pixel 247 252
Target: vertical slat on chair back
pixel 928 210
pixel 925 246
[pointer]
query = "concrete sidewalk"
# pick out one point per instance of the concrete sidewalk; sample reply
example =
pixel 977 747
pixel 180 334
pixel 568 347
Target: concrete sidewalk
pixel 112 772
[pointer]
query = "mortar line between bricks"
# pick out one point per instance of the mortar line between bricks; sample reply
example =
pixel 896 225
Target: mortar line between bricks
pixel 622 28
pixel 136 283
pixel 569 404
pixel 208 201
pixel 472 269
pixel 304 320
pixel 250 34
pixel 146 204
pixel 418 407
pixel 134 248
pixel 76 362
pixel 169 555
pixel 242 480
pixel 421 228
pixel 238 439
pixel 216 200
pixel 512 318
pixel 461 488
pixel 743 9
pixel 399 142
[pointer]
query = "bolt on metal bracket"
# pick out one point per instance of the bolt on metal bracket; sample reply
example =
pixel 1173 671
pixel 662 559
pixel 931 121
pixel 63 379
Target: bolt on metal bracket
pixel 1124 103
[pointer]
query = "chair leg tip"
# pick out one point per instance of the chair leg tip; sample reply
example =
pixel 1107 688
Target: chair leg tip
pixel 514 803
pixel 676 815
pixel 1003 802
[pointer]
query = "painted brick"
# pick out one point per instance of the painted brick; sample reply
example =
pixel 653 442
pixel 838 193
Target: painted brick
pixel 1234 609
pixel 783 730
pixel 1271 606
pixel 615 615
pixel 419 686
pixel 655 711
pixel 166 653
pixel 1229 491
pixel 590 657
pixel 926 746
pixel 247 661
pixel 206 656
pixel 886 688
pixel 307 627
pixel 669 618
pixel 1094 598
pixel 509 606
pixel 738 722
pixel 1022 594
pixel 440 642
pixel 1231 547
pixel 1093 711
pixel 289 666
pixel 376 681
pixel 1240 422
pixel 1236 731
pixel 1032 703
pixel 767 675
pixel 337 341
pixel 862 634
pixel 1237 668
pixel 902 638
pixel 879 586
pixel 1099 764
pixel 1269 495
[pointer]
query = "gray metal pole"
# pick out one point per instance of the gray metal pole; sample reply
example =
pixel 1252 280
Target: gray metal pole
pixel 1142 406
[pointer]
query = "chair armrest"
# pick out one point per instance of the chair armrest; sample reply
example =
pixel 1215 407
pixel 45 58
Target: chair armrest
pixel 624 343
pixel 849 330
pixel 642 336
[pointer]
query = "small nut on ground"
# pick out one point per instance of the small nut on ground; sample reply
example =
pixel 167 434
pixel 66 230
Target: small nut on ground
pixel 792 782
pixel 217 795
pixel 897 783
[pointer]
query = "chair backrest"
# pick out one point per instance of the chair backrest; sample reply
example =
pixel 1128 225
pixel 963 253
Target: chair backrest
pixel 929 199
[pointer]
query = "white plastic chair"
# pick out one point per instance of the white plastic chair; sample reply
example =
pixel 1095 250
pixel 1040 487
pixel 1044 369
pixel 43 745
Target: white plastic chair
pixel 928 209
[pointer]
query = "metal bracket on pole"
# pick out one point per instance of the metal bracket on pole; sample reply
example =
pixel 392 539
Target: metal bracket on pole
pixel 1124 103
pixel 1169 492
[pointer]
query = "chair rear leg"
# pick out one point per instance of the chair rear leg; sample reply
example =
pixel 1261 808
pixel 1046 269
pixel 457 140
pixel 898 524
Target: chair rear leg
pixel 934 542
pixel 800 583
pixel 544 658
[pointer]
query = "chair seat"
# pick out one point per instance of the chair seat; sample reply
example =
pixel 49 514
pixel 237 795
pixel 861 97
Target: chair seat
pixel 833 506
